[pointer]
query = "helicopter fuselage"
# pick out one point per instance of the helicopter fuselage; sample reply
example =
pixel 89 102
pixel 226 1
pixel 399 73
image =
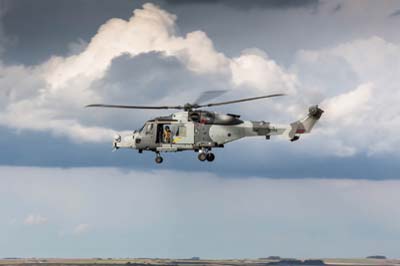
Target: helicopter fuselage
pixel 201 131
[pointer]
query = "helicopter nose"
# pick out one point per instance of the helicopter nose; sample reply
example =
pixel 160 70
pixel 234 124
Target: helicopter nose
pixel 116 141
pixel 117 138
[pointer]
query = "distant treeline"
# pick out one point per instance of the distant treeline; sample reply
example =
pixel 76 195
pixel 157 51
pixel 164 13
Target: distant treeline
pixel 295 262
pixel 377 257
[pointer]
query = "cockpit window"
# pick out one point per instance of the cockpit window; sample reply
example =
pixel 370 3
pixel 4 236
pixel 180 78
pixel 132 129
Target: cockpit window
pixel 149 128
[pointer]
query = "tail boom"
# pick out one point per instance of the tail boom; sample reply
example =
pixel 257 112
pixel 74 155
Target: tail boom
pixel 295 129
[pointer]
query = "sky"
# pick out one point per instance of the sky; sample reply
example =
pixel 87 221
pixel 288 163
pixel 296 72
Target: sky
pixel 333 193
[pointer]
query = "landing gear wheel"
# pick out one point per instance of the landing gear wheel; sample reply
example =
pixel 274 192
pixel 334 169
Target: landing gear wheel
pixel 210 157
pixel 202 156
pixel 159 159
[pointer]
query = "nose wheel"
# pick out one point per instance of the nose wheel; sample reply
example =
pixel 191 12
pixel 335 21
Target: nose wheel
pixel 158 158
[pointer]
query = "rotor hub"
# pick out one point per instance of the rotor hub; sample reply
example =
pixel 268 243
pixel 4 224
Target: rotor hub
pixel 190 106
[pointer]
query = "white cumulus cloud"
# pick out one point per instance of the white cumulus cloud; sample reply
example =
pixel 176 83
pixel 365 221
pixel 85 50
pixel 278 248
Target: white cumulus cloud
pixel 51 96
pixel 254 69
pixel 355 81
pixel 357 85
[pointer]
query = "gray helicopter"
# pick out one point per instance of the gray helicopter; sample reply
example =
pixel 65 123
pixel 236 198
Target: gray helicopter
pixel 201 131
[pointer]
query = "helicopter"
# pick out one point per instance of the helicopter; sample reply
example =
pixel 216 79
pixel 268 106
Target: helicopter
pixel 192 128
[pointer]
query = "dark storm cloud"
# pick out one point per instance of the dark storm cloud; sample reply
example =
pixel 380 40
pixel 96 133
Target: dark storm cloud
pixel 148 79
pixel 62 153
pixel 251 4
pixel 152 76
pixel 47 27
pixel 395 13
pixel 2 8
pixel 4 39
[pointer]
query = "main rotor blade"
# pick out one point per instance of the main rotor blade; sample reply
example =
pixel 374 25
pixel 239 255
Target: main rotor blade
pixel 208 95
pixel 134 106
pixel 242 100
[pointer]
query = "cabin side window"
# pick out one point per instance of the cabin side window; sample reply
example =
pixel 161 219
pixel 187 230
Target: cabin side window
pixel 181 132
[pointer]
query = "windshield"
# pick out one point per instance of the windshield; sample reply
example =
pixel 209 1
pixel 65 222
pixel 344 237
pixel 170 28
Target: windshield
pixel 140 130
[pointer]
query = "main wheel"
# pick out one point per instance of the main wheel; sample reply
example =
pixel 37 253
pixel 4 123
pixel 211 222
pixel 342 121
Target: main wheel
pixel 210 157
pixel 159 159
pixel 202 156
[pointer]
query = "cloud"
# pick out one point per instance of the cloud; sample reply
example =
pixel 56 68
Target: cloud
pixel 81 228
pixel 254 69
pixel 35 219
pixel 129 80
pixel 50 96
pixel 358 91
pixel 348 108
pixel 357 83
pixel 149 29
pixel 155 213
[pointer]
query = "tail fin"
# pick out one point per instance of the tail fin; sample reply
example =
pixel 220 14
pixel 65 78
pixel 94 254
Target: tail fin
pixel 305 125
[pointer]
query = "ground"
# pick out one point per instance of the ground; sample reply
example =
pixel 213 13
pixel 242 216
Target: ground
pixel 183 262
